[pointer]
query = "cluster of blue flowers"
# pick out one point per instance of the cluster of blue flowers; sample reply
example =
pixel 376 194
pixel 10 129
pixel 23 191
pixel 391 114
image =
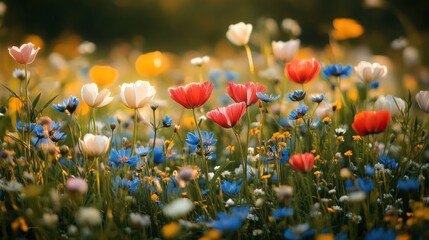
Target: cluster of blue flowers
pixel 231 222
pixel 193 141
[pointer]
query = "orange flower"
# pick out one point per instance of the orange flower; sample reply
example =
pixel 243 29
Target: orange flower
pixel 369 122
pixel 151 64
pixel 345 28
pixel 302 71
pixel 103 75
pixel 302 162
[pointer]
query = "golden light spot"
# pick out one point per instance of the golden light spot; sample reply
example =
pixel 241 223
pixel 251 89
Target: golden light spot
pixel 171 230
pixel 103 75
pixel 151 64
pixel 353 94
pixel 403 237
pixel 214 234
pixel 345 28
pixel 35 39
pixel 409 82
pixel 325 236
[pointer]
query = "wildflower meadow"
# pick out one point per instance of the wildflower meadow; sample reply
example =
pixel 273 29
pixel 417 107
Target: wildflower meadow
pixel 283 141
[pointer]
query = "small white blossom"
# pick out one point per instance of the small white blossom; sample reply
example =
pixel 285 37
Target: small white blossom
pixel 178 208
pixel 139 219
pixel 199 61
pixel 229 203
pixel 88 216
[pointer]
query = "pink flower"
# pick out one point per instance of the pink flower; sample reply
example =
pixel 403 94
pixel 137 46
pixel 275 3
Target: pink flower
pixel 228 116
pixel 245 93
pixel 78 185
pixel 302 162
pixel 192 95
pixel 25 54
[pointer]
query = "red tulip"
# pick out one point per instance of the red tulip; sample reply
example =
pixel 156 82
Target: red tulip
pixel 245 93
pixel 228 116
pixel 24 54
pixel 369 122
pixel 302 162
pixel 302 71
pixel 192 95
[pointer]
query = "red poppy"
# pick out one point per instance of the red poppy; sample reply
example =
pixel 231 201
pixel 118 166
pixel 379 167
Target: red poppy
pixel 228 116
pixel 302 162
pixel 302 71
pixel 192 95
pixel 245 93
pixel 369 122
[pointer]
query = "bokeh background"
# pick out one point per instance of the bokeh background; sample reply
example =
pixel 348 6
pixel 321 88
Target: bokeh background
pixel 180 25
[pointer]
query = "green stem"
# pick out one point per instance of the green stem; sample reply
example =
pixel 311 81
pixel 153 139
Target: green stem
pixel 155 128
pixel 135 132
pixel 94 125
pixel 250 60
pixel 202 149
pixel 243 163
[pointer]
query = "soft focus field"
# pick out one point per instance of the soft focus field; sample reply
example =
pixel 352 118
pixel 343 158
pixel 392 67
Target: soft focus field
pixel 259 136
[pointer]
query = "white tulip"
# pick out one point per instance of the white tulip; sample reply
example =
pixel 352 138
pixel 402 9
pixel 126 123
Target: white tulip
pixel 93 98
pixel 239 34
pixel 422 99
pixel 138 94
pixel 94 145
pixel 370 72
pixel 390 103
pixel 285 51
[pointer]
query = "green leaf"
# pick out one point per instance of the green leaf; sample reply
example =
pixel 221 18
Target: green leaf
pixel 47 104
pixel 36 100
pixel 11 92
pixel 219 171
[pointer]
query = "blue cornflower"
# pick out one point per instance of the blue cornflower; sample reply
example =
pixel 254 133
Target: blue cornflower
pixel 158 155
pixel 280 213
pixel 231 76
pixel 58 136
pixel 25 128
pixel 369 170
pixel 337 70
pixel 241 212
pixel 297 95
pixel 70 105
pixel 121 157
pixel 131 185
pixel 231 188
pixel 409 185
pixel 142 151
pixel 349 185
pixel 298 113
pixel 227 223
pixel 374 85
pixel 39 131
pixel 366 185
pixel 193 139
pixel 318 98
pixel 167 121
pixel 283 122
pixel 284 156
pixel 267 98
pixel 389 162
pixel 301 231
pixel 379 233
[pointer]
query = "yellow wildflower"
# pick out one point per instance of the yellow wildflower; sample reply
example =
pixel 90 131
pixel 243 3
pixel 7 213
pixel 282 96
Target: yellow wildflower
pixel 254 131
pixel 357 138
pixel 326 120
pixel 171 230
pixel 348 153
